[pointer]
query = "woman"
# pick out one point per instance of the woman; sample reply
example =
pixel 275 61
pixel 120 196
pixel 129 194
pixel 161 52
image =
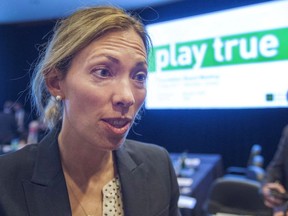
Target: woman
pixel 91 84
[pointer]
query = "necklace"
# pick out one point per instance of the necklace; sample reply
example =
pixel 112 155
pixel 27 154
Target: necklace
pixel 77 200
pixel 81 206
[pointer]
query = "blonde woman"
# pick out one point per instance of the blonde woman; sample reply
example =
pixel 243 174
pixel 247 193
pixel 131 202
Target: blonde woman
pixel 90 85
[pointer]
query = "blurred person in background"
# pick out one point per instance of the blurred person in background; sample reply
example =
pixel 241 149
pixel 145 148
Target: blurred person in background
pixel 22 119
pixel 275 184
pixel 8 125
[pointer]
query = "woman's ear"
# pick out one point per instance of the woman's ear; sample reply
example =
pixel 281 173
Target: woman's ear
pixel 53 81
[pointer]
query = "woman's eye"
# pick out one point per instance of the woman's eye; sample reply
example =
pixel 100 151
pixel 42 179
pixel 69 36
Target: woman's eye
pixel 101 72
pixel 140 76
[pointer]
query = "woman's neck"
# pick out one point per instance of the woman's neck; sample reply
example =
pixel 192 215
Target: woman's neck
pixel 85 178
pixel 85 164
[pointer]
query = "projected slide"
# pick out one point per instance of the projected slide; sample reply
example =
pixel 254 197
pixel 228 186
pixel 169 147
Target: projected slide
pixel 236 58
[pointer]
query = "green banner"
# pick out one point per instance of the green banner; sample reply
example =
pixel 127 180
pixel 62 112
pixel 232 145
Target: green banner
pixel 252 47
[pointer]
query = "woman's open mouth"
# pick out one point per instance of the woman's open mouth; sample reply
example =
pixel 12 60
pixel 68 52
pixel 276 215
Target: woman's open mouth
pixel 118 125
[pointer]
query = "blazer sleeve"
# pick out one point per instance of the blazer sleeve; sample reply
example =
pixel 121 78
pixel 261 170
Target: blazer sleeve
pixel 174 210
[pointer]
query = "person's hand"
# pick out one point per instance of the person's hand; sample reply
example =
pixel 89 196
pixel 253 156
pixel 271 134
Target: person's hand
pixel 279 213
pixel 271 200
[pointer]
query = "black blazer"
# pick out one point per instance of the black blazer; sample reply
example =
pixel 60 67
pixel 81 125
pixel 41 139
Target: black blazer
pixel 32 181
pixel 277 170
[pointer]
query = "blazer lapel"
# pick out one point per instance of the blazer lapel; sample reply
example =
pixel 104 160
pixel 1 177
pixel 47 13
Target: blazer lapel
pixel 46 193
pixel 133 178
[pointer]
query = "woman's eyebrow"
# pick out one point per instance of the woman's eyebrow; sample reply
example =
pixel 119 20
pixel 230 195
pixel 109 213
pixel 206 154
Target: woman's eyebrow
pixel 141 64
pixel 109 57
pixel 113 59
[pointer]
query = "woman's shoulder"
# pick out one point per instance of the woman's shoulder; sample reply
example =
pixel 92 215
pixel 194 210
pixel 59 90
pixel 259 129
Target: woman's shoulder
pixel 143 146
pixel 20 159
pixel 145 150
pixel 155 157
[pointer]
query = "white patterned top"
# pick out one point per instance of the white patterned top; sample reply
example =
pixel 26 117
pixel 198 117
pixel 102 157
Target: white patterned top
pixel 112 198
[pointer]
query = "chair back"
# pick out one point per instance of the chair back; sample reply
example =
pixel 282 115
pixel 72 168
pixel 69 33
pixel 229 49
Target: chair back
pixel 238 196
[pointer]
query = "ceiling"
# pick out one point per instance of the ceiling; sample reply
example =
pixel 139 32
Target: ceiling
pixel 15 11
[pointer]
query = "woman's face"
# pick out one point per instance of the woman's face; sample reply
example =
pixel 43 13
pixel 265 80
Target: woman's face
pixel 104 89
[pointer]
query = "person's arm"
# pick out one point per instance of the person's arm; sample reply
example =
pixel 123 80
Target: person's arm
pixel 275 170
pixel 273 184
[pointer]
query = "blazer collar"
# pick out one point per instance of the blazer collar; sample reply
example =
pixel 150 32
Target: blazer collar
pixel 48 163
pixel 134 183
pixel 47 192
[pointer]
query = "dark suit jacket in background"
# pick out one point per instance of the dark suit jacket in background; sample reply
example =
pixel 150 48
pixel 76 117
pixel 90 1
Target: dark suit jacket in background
pixel 32 181
pixel 277 170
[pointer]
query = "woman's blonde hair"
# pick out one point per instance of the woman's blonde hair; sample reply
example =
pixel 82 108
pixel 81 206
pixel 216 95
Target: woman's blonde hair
pixel 70 36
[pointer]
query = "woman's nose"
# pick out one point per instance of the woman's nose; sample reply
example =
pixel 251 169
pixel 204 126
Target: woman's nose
pixel 123 96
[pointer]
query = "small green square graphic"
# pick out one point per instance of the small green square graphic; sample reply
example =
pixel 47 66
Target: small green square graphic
pixel 269 97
